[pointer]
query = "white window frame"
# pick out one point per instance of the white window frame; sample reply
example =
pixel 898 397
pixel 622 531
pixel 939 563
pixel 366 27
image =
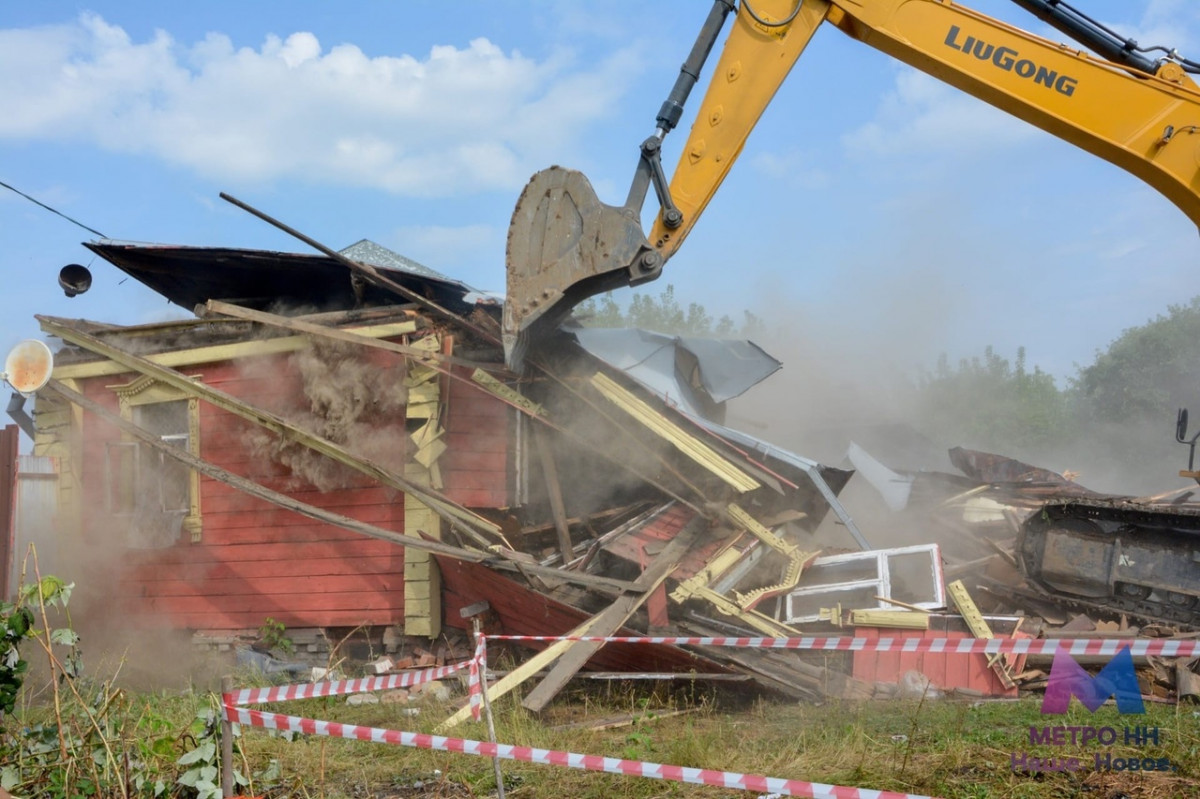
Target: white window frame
pixel 881 582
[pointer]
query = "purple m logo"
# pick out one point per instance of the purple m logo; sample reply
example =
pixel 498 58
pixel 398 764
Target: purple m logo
pixel 1117 679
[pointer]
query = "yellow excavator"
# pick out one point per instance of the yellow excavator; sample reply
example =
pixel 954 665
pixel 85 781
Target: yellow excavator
pixel 1136 107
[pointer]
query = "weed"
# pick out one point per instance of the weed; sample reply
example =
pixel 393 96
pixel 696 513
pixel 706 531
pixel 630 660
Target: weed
pixel 274 636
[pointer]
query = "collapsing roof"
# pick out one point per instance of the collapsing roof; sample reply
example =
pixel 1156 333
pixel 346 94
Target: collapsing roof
pixel 695 375
pixel 262 279
pixel 640 476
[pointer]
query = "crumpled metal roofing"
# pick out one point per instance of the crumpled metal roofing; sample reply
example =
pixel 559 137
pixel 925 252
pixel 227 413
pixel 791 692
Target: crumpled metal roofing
pixel 677 367
pixel 369 252
pixel 722 368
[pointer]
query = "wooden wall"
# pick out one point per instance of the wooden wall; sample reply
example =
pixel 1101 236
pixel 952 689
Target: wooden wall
pixel 476 466
pixel 255 560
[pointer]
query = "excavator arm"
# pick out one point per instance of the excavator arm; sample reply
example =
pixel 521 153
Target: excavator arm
pixel 1136 112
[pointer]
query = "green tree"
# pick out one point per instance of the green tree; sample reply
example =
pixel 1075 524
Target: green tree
pixel 1147 372
pixel 992 403
pixel 662 313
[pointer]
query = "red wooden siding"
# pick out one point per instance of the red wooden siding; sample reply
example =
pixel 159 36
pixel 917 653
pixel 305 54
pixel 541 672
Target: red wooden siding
pixel 516 610
pixel 945 670
pixel 475 466
pixel 256 560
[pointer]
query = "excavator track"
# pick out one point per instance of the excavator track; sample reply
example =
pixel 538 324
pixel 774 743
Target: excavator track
pixel 1138 613
pixel 1114 556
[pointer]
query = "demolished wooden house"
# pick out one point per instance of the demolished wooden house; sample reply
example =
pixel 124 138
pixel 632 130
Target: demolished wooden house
pixel 334 442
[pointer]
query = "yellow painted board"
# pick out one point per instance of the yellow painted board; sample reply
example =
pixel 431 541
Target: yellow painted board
pixel 224 352
pixel 416 570
pixel 421 410
pixel 512 396
pixel 903 619
pixel 423 392
pixel 686 443
pixel 428 455
pixel 427 433
pixel 431 343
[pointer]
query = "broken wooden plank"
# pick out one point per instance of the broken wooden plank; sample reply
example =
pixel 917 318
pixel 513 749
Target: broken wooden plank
pixel 663 427
pixel 900 619
pixel 348 336
pixel 611 618
pixel 223 352
pixel 978 627
pixel 522 673
pixel 494 386
pixel 554 491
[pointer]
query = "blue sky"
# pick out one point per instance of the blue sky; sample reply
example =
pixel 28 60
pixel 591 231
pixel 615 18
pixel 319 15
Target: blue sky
pixel 873 207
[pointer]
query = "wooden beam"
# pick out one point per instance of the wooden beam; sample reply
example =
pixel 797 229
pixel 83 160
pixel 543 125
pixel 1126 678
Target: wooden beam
pixel 503 392
pixel 455 514
pixel 348 336
pixel 367 271
pixel 611 618
pixel 663 427
pixel 220 352
pixel 554 490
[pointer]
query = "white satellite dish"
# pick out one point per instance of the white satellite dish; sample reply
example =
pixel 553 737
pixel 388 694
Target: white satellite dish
pixel 27 367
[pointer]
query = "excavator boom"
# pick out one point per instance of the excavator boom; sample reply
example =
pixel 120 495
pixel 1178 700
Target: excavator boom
pixel 1137 112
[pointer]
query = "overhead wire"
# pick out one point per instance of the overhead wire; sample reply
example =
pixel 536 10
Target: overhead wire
pixel 38 202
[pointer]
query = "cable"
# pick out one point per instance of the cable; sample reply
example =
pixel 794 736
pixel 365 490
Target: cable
pixel 52 210
pixel 763 22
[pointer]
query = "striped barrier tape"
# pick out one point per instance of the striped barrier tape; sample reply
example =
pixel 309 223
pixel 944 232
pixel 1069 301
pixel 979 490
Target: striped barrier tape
pixel 478 670
pixel 1159 647
pixel 281 693
pixel 611 765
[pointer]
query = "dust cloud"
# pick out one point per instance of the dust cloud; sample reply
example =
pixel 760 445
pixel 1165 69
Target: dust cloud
pixel 853 373
pixel 345 398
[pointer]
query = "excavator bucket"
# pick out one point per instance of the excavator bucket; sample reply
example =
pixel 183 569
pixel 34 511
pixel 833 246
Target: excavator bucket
pixel 564 246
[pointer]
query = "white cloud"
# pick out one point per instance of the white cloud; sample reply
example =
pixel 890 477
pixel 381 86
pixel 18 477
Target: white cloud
pixel 455 120
pixel 922 115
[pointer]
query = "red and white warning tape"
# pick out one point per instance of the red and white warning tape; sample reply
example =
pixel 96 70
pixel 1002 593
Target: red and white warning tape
pixel 1162 647
pixel 477 667
pixel 253 696
pixel 477 672
pixel 527 754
